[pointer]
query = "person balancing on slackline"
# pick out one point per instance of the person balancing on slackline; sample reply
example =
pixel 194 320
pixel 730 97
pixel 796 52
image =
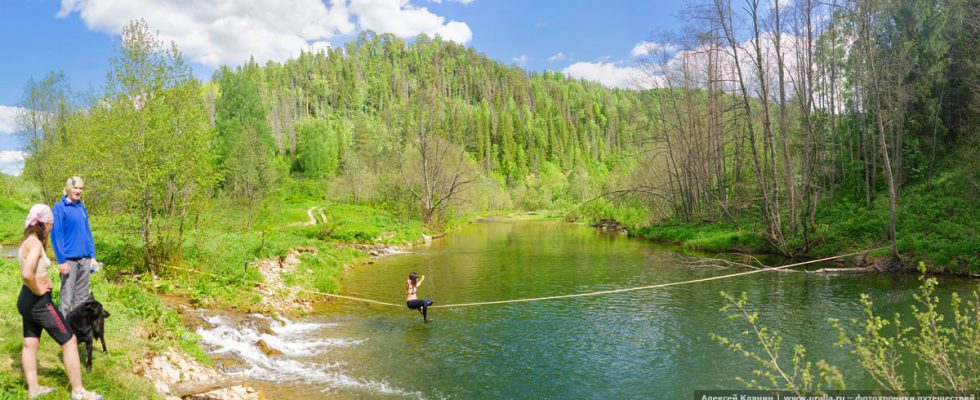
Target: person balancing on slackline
pixel 411 288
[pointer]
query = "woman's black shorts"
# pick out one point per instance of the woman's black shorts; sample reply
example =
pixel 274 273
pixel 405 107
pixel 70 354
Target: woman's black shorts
pixel 40 313
pixel 417 304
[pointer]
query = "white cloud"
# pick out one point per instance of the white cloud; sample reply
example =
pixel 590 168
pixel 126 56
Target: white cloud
pixel 12 161
pixel 557 57
pixel 215 32
pixel 520 60
pixel 463 2
pixel 405 20
pixel 645 48
pixel 8 119
pixel 608 74
pixel 783 4
pixel 688 67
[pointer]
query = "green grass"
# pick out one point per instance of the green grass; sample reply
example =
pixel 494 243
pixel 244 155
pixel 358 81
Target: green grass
pixel 363 224
pixel 705 237
pixel 12 214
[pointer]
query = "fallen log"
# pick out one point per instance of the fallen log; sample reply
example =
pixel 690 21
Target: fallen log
pixel 718 263
pixel 185 389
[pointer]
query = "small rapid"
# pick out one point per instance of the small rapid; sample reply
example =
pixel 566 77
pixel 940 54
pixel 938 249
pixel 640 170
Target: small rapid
pixel 279 351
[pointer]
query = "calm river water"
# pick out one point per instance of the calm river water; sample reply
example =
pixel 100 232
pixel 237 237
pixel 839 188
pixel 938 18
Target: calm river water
pixel 651 344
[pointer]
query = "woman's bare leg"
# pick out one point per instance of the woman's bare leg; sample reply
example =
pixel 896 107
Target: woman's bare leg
pixel 28 358
pixel 73 367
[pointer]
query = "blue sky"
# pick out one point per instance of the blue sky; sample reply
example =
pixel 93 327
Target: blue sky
pixel 587 39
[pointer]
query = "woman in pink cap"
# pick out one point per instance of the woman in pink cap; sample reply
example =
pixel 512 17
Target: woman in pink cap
pixel 37 310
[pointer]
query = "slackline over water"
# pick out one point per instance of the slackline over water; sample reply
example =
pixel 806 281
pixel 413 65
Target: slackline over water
pixel 564 296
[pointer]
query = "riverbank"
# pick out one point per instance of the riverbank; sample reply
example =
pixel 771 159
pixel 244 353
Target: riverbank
pixel 936 225
pixel 936 244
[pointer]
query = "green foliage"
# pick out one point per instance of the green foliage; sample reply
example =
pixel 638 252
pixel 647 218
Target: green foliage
pixel 362 224
pixel 48 106
pixel 246 147
pixel 943 343
pixel 847 225
pixel 320 271
pixel 706 237
pixel 938 225
pixel 320 146
pixel 138 303
pixel 935 225
pixel 546 190
pixel 630 213
pixel 150 141
pixel 765 347
pixel 12 215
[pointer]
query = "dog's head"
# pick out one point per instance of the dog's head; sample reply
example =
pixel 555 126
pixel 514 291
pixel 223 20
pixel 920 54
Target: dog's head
pixel 95 310
pixel 88 312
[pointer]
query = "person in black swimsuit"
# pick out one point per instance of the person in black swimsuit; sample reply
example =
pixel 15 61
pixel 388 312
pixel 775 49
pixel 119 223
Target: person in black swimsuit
pixel 411 288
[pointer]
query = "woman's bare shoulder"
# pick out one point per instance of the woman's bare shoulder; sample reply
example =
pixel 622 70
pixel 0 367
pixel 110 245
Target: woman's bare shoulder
pixel 29 244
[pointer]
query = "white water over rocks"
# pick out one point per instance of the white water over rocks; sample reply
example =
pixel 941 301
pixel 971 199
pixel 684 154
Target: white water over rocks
pixel 295 353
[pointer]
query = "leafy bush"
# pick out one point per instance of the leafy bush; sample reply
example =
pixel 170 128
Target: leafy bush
pixel 943 344
pixel 707 237
pixel 765 347
pixel 945 352
pixel 629 213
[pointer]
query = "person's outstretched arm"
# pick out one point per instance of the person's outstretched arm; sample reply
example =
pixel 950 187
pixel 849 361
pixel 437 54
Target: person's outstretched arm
pixel 421 279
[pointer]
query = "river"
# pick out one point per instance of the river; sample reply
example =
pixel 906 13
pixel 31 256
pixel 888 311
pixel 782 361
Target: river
pixel 643 344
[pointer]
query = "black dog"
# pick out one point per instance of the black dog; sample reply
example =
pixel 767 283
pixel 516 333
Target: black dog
pixel 88 323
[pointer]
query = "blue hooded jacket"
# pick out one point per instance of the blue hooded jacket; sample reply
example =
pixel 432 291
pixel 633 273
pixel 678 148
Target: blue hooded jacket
pixel 71 236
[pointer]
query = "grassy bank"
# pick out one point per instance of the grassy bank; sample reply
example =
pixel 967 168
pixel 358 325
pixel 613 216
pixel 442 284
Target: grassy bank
pixel 935 225
pixel 705 237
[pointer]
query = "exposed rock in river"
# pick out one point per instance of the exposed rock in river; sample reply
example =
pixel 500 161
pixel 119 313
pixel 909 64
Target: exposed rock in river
pixel 610 225
pixel 269 351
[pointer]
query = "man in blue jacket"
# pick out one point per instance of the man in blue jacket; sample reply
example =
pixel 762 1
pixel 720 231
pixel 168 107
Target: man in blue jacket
pixel 71 238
